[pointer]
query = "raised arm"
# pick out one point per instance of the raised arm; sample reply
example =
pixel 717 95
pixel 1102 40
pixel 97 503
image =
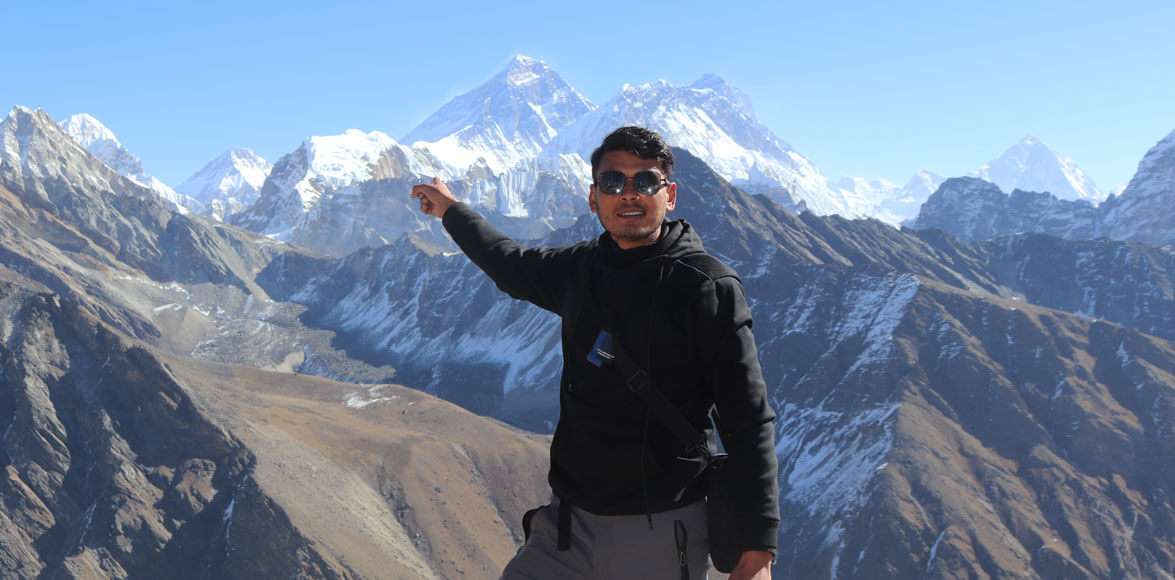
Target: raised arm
pixel 535 275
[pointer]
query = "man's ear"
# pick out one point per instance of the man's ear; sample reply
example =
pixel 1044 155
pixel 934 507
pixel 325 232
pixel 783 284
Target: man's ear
pixel 670 197
pixel 592 200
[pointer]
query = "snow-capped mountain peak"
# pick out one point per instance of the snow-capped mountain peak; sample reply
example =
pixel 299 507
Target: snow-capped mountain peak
pixel 102 143
pixel 507 119
pixel 1031 165
pixel 229 183
pixel 87 130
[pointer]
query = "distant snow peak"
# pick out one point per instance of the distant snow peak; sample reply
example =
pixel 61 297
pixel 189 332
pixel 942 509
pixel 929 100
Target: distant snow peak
pixel 228 184
pixel 86 130
pixel 1031 165
pixel 102 143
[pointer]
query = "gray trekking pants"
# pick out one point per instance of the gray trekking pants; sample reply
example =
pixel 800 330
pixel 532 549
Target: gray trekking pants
pixel 615 547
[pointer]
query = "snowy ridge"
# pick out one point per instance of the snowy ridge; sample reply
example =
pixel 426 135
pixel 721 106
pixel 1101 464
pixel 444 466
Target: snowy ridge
pixel 338 193
pixel 102 143
pixel 871 193
pixel 1143 211
pixel 336 161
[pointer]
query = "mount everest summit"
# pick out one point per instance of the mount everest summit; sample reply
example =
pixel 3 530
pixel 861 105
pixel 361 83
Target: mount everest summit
pixel 508 119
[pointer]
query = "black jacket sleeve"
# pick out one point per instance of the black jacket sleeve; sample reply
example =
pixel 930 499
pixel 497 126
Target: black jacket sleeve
pixel 746 420
pixel 535 275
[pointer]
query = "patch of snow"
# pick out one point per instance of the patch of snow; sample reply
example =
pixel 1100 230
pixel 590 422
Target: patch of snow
pixel 876 309
pixel 934 549
pixel 828 458
pixel 373 396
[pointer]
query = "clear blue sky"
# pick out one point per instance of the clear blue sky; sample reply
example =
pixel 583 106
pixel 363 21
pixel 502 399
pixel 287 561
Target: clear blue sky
pixel 861 88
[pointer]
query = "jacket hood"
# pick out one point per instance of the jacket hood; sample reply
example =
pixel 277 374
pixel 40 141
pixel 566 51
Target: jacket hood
pixel 678 239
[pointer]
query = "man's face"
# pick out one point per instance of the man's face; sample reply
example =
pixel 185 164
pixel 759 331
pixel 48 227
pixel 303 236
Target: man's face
pixel 632 219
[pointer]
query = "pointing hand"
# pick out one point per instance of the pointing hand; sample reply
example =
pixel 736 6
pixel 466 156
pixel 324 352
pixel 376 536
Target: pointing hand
pixel 435 197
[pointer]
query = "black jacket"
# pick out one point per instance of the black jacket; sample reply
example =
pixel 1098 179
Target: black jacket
pixel 691 330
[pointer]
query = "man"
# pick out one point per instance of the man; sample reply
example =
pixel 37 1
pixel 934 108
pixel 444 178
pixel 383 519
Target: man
pixel 627 499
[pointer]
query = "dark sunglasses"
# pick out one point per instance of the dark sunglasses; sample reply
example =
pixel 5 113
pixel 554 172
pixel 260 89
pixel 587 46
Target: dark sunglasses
pixel 645 182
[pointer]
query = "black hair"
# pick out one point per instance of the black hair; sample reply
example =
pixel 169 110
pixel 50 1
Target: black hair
pixel 639 141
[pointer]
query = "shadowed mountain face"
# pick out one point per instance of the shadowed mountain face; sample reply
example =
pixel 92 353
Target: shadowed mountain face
pixel 125 452
pixel 931 420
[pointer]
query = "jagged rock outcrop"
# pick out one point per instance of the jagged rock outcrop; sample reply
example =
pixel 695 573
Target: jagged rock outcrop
pixel 973 209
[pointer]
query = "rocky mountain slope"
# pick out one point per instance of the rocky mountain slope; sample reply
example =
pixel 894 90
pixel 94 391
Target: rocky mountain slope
pixel 1143 211
pixel 974 209
pixel 128 452
pixel 119 462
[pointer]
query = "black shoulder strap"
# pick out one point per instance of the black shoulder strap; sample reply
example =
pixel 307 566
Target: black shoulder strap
pixel 609 352
pixel 712 267
pixel 638 382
